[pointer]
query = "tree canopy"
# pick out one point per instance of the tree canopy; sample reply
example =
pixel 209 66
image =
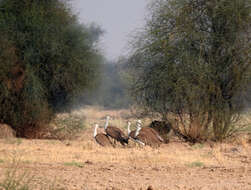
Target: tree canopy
pixel 46 59
pixel 192 60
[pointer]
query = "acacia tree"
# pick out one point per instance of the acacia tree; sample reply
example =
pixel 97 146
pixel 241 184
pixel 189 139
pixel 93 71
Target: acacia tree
pixel 46 59
pixel 193 61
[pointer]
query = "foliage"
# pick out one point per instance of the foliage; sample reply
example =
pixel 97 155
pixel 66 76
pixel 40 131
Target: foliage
pixel 192 61
pixel 46 59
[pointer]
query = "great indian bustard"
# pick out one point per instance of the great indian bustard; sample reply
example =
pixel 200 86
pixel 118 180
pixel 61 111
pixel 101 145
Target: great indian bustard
pixel 115 133
pixel 146 135
pixel 131 134
pixel 151 130
pixel 101 138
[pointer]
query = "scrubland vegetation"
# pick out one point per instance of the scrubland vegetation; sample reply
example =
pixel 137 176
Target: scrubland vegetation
pixel 190 66
pixel 192 61
pixel 47 59
pixel 80 163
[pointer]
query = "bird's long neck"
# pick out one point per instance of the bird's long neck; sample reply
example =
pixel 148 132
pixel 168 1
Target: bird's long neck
pixel 128 128
pixel 138 129
pixel 106 122
pixel 95 131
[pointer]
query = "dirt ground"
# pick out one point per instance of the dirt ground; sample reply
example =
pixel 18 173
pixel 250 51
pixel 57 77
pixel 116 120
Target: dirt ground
pixel 82 164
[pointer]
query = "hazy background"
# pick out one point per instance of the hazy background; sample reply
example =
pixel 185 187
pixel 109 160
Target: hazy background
pixel 118 18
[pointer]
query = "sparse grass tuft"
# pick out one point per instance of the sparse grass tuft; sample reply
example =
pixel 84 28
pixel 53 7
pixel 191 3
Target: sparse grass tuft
pixel 14 180
pixel 196 164
pixel 74 163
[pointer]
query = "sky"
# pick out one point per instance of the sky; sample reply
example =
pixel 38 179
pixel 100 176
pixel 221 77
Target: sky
pixel 118 18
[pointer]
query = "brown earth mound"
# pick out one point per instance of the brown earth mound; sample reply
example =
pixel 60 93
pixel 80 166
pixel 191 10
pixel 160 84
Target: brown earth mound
pixel 6 131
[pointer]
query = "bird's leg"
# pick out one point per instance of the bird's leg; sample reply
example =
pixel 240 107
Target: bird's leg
pixel 141 143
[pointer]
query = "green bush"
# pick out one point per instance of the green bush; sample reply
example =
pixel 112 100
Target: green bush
pixel 46 60
pixel 192 61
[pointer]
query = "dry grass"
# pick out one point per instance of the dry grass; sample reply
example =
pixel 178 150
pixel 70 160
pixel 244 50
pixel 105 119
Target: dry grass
pixel 134 155
pixel 72 155
pixel 245 122
pixel 178 154
pixel 16 177
pixel 77 157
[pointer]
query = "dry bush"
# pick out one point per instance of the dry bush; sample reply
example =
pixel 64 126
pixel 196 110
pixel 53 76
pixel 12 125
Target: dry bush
pixel 63 126
pixel 243 129
pixel 66 126
pixel 95 114
pixel 14 181
pixel 15 178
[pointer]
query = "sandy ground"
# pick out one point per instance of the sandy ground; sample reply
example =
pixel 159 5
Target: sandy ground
pixel 82 164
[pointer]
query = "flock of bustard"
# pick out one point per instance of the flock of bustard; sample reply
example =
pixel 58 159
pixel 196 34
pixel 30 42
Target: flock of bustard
pixel 142 135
